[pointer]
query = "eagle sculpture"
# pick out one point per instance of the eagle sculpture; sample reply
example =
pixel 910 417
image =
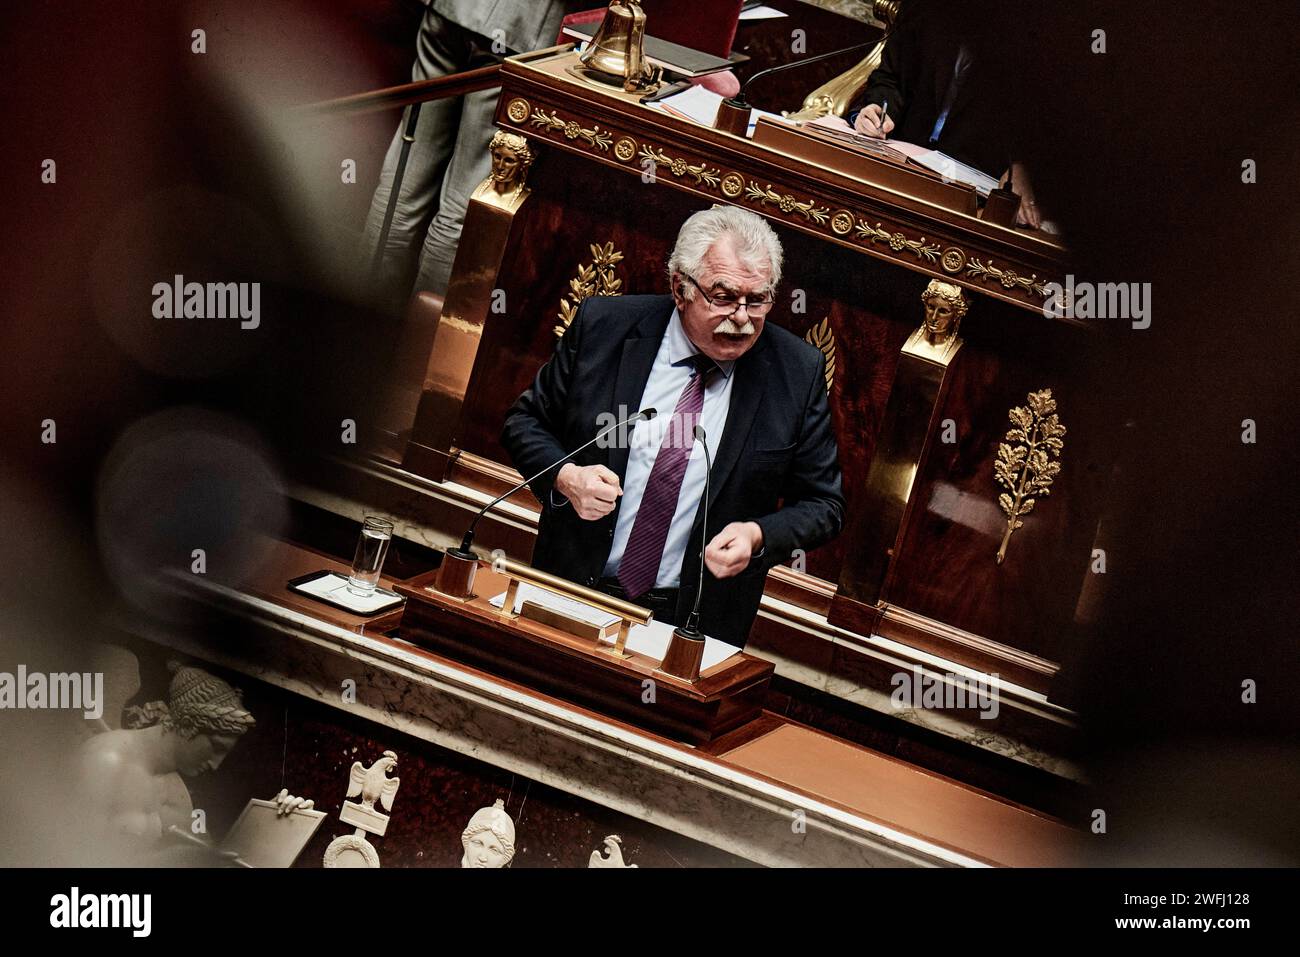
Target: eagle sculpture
pixel 373 783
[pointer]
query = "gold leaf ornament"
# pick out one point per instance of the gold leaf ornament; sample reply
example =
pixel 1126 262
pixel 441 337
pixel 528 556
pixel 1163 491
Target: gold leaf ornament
pixel 823 337
pixel 1027 462
pixel 596 278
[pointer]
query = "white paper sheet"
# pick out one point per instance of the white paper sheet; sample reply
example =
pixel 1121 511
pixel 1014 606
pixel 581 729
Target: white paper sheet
pixel 762 12
pixel 700 105
pixel 335 588
pixel 560 603
pixel 650 640
pixel 695 103
pixel 952 169
pixel 906 148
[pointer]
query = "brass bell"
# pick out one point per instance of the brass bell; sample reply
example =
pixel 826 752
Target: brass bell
pixel 616 54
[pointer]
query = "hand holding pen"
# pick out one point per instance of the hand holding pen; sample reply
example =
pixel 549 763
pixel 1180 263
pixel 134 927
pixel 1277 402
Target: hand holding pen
pixel 873 120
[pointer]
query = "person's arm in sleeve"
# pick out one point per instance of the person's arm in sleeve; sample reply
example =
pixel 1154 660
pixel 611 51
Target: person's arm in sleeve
pixel 813 509
pixel 885 82
pixel 885 85
pixel 534 424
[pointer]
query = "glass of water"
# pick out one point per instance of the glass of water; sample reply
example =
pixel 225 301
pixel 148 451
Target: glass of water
pixel 372 546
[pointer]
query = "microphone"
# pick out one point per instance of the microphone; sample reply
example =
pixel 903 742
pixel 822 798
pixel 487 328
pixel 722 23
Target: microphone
pixel 465 543
pixel 692 627
pixel 734 110
pixel 686 647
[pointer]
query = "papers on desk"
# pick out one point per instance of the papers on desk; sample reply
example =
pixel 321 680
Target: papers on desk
pixel 701 106
pixel 650 640
pixel 761 12
pixel 561 603
pixel 333 588
pixel 955 170
pixel 696 104
pixel 910 150
pixel 900 150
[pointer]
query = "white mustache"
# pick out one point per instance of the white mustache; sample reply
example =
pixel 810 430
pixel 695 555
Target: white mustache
pixel 728 327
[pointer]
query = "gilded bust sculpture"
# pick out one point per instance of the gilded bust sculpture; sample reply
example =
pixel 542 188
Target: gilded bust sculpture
pixel 945 305
pixel 511 158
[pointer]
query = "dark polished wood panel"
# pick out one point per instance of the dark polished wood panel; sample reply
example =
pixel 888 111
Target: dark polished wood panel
pixel 726 696
pixel 945 568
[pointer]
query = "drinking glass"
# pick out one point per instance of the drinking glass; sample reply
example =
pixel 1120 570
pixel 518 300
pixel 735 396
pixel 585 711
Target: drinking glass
pixel 372 546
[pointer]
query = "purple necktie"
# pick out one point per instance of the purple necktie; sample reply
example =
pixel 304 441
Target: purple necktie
pixel 639 566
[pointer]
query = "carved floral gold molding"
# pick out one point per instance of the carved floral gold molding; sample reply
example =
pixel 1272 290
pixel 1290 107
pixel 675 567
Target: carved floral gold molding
pixel 1006 277
pixel 572 130
pixel 787 203
pixel 952 259
pixel 897 241
pixel 596 278
pixel 702 174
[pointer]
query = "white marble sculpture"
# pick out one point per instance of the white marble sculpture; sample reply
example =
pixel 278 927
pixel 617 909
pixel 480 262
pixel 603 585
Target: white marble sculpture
pixel 272 833
pixel 613 856
pixel 133 769
pixel 371 784
pixel 489 838
pixel 133 775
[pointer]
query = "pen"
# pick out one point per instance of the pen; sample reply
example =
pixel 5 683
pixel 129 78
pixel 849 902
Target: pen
pixel 665 91
pixel 884 112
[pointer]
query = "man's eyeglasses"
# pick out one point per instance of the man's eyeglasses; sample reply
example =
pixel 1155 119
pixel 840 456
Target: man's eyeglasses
pixel 728 305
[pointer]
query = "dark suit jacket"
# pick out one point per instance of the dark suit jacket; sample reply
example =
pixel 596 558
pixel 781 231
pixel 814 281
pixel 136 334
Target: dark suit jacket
pixel 915 70
pixel 776 463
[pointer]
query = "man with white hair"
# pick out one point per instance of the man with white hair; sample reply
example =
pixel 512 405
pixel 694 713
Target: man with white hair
pixel 626 516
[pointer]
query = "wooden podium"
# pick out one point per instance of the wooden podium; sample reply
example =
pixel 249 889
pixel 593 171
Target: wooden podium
pixel 477 633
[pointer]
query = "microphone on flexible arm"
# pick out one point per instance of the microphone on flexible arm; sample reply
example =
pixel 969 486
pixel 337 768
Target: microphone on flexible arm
pixel 686 649
pixel 733 112
pixel 456 573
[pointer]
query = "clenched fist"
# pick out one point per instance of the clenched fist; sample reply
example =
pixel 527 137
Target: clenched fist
pixel 593 489
pixel 731 549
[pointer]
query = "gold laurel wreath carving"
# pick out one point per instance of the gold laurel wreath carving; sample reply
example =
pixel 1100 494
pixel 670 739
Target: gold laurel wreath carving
pixel 823 337
pixel 596 278
pixel 953 259
pixel 679 167
pixel 1006 277
pixel 787 203
pixel 572 130
pixel 1026 460
pixel 898 242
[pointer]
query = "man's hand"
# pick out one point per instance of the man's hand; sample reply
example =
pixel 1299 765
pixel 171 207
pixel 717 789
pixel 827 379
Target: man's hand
pixel 732 548
pixel 1027 213
pixel 868 122
pixel 592 489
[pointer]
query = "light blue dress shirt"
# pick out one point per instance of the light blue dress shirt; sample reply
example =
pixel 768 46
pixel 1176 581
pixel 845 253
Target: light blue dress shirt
pixel 668 377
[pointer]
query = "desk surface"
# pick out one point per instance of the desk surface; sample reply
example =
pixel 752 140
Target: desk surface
pixel 285 561
pixel 894 792
pixel 774 749
pixel 541 100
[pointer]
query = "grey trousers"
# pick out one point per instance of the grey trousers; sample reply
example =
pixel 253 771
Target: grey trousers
pixel 448 159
